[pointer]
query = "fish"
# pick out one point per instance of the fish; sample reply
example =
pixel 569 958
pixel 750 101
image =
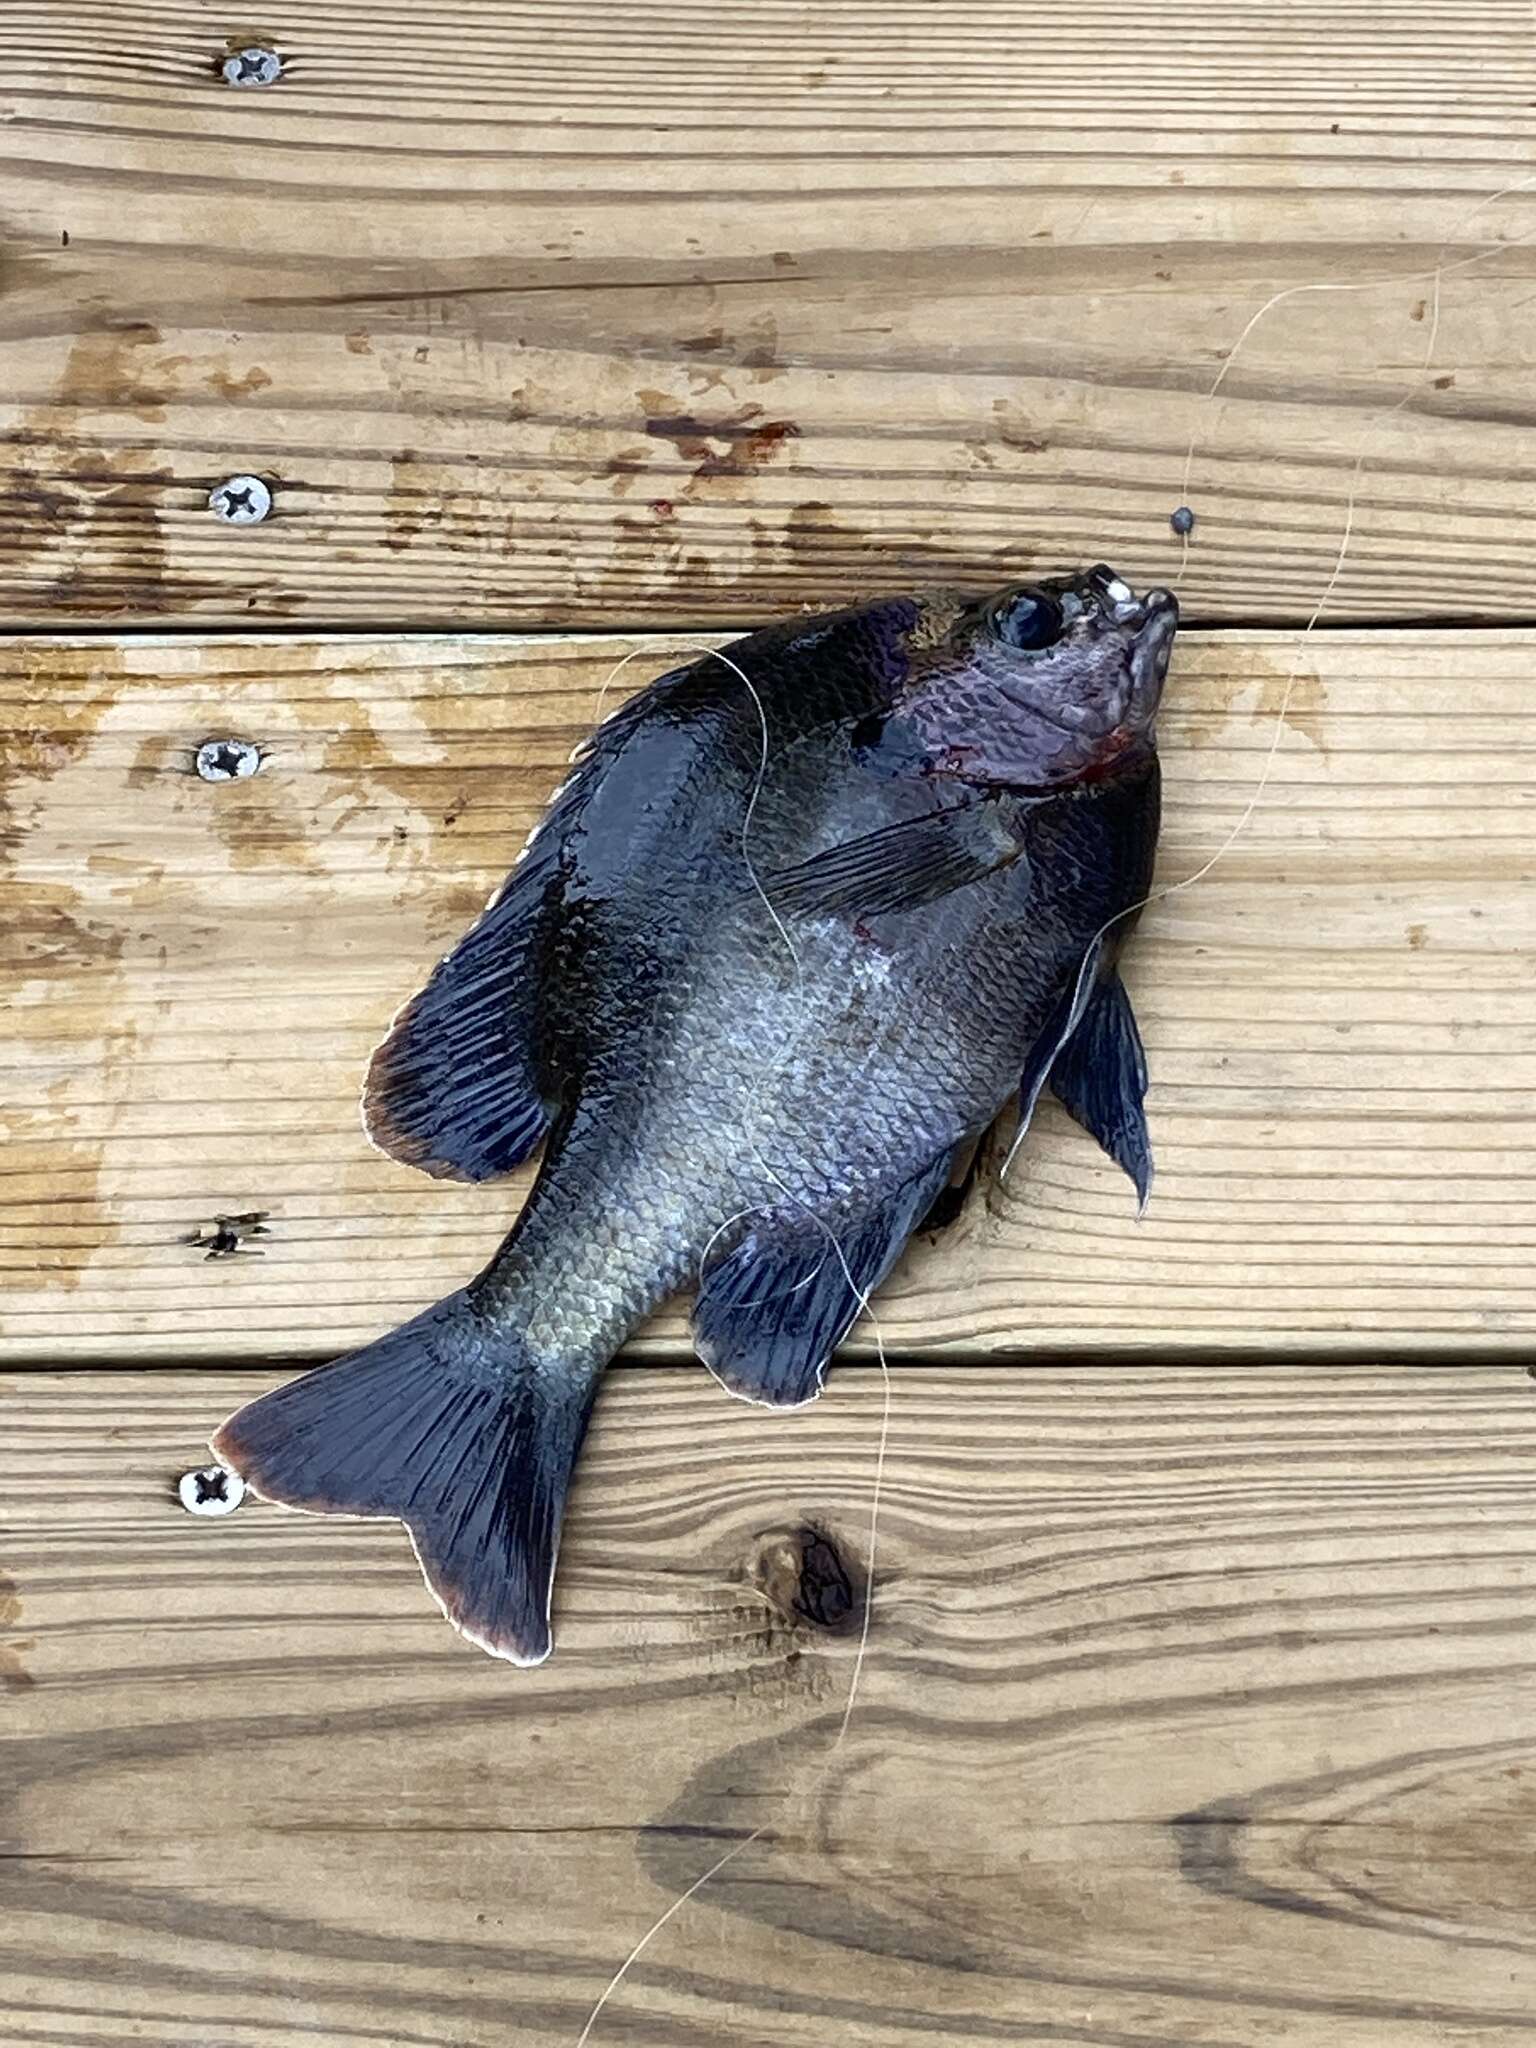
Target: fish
pixel 808 915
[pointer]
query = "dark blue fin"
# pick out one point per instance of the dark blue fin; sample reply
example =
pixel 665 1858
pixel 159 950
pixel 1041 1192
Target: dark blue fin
pixel 901 866
pixel 454 1089
pixel 773 1309
pixel 444 1425
pixel 1053 1035
pixel 1100 1075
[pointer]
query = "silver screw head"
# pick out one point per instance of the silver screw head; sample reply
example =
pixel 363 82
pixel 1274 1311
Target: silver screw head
pixel 240 500
pixel 213 1490
pixel 255 66
pixel 227 760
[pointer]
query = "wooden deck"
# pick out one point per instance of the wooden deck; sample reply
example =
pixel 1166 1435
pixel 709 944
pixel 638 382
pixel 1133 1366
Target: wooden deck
pixel 1199 1706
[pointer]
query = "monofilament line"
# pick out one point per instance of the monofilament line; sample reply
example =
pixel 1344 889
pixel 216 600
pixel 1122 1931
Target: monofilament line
pixel 1440 270
pixel 1435 279
pixel 861 1297
pixel 767 1827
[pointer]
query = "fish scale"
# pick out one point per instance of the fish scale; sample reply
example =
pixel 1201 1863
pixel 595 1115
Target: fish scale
pixel 799 925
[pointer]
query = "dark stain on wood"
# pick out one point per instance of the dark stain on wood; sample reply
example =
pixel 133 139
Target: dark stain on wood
pixel 1016 432
pixel 53 932
pixel 100 506
pixel 411 504
pixel 810 1581
pixel 232 387
pixel 811 527
pixel 729 447
pixel 14 1675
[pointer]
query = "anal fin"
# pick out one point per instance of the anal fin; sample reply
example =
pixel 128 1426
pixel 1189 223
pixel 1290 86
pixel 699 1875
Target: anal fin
pixel 772 1310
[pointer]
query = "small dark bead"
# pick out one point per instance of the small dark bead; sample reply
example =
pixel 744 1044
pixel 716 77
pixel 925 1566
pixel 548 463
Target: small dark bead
pixel 1182 521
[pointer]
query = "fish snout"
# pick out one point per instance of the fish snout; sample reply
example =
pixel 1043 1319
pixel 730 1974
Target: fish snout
pixel 1150 651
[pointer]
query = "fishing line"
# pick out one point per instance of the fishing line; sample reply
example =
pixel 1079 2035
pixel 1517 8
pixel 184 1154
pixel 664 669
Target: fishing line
pixel 861 1297
pixel 768 1828
pixel 1440 270
pixel 1435 277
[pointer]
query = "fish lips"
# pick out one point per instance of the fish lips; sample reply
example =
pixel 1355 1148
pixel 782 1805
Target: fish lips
pixel 1150 652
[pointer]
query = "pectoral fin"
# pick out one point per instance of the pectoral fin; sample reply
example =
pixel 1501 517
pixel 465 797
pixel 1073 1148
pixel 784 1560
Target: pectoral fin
pixel 907 864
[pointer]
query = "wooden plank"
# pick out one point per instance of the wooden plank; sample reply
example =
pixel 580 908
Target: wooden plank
pixel 690 312
pixel 1341 1032
pixel 1196 1710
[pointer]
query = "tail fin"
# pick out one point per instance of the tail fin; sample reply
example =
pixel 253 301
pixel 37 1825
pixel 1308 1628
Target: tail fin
pixel 446 1425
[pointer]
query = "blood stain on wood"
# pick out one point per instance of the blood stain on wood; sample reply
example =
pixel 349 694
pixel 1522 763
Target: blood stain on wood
pixel 729 447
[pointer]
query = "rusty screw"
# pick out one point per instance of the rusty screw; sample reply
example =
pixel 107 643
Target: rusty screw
pixel 214 1490
pixel 240 500
pixel 227 760
pixel 252 67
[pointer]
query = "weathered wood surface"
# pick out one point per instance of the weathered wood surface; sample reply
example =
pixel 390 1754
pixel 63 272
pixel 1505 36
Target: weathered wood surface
pixel 536 315
pixel 1340 1018
pixel 1197 1709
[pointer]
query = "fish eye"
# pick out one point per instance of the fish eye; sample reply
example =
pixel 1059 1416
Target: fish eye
pixel 1028 620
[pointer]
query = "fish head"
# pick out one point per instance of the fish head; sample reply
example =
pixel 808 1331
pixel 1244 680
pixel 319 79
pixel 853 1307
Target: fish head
pixel 1042 684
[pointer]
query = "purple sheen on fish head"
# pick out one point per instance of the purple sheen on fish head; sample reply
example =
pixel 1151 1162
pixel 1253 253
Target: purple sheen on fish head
pixel 1044 683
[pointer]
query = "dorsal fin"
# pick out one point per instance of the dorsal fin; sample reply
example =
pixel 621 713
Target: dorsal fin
pixel 454 1089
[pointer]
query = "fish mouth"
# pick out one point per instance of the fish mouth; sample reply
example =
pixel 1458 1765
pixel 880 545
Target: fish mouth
pixel 1147 622
pixel 1150 650
pixel 1117 604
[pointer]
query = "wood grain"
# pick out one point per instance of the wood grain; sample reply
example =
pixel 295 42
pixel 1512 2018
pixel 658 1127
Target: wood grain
pixel 685 312
pixel 1197 1710
pixel 1340 1024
